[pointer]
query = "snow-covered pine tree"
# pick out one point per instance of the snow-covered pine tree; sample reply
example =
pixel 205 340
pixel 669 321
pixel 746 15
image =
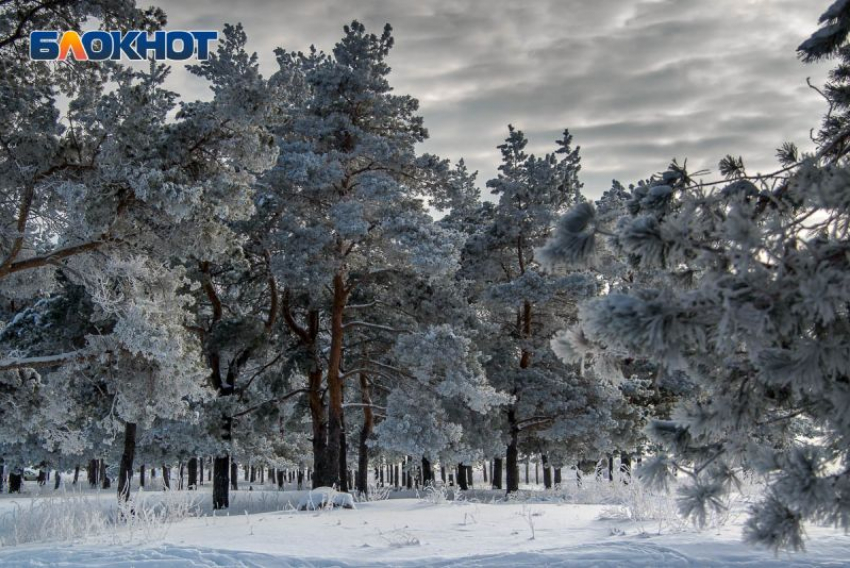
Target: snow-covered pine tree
pixel 749 299
pixel 343 208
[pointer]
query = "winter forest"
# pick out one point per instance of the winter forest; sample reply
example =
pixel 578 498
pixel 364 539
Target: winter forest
pixel 272 300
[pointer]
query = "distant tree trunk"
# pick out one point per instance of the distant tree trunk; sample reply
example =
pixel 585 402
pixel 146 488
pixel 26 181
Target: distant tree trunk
pixel 76 474
pixel 443 473
pixel 497 473
pixel 92 472
pixel 462 480
pixel 610 467
pixel 166 478
pixel 181 476
pixel 547 472
pixel 484 469
pixel 201 470
pixel 57 479
pixel 512 454
pixel 142 475
pixel 234 477
pixel 365 432
pixel 395 475
pixel 344 478
pixel 105 482
pixel 252 474
pixel 409 468
pixel 469 480
pixel 300 479
pixel 221 481
pixel 626 466
pixel 193 474
pixel 125 471
pixel 16 481
pixel 427 472
pixel 527 466
pixel 280 478
pixel 557 477
pixel 42 477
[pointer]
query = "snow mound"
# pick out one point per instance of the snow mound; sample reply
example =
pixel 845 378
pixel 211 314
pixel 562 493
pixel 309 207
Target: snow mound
pixel 324 498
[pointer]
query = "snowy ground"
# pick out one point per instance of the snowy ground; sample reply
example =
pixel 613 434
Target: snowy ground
pixel 397 532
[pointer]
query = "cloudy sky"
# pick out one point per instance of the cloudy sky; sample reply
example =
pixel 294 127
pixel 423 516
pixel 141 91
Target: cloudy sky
pixel 638 82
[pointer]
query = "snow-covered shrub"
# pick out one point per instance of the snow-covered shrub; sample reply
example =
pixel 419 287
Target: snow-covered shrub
pixel 324 498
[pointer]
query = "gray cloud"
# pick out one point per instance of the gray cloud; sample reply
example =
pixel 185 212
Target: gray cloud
pixel 639 82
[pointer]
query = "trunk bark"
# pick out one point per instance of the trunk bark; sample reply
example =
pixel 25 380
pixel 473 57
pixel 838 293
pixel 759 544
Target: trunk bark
pixel 76 474
pixel 105 482
pixel 193 474
pixel 427 472
pixel 221 482
pixel 125 471
pixel 16 480
pixel 557 477
pixel 234 475
pixel 497 473
pixel 201 470
pixel 547 472
pixel 142 475
pixel 462 480
pixel 512 454
pixel 365 432
pixel 166 477
pixel 335 420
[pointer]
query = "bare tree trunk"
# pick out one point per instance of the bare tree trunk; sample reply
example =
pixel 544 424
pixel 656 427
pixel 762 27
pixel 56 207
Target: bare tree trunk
pixel 234 475
pixel 76 474
pixel 105 482
pixel 125 471
pixel 221 481
pixel 365 432
pixel 462 480
pixel 142 475
pixel 427 472
pixel 16 480
pixel 193 474
pixel 547 472
pixel 512 454
pixel 497 473
pixel 57 480
pixel 166 479
pixel 335 420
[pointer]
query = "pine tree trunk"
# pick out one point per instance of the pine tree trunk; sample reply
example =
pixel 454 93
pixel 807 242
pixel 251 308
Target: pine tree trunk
pixel 497 473
pixel 166 478
pixel 547 472
pixel 57 480
pixel 443 473
pixel 512 454
pixel 484 469
pixel 76 474
pixel 142 475
pixel 42 477
pixel 92 472
pixel 335 398
pixel 527 467
pixel 234 475
pixel 105 482
pixel 280 477
pixel 610 467
pixel 344 477
pixel 125 471
pixel 469 480
pixel 221 482
pixel 462 481
pixel 193 474
pixel 427 472
pixel 16 481
pixel 201 470
pixel 365 432
pixel 557 477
